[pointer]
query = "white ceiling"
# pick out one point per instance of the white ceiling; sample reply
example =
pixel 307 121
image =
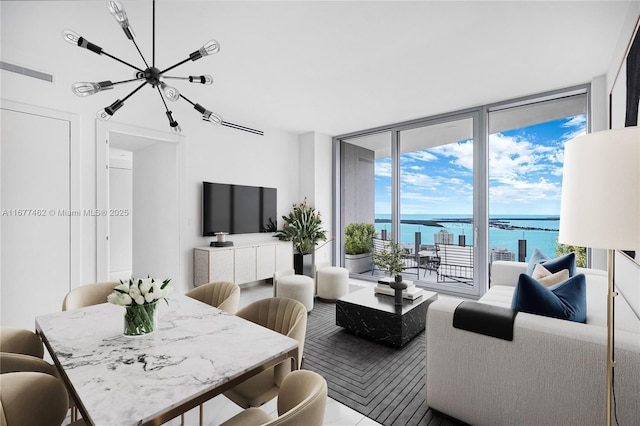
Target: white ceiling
pixel 337 67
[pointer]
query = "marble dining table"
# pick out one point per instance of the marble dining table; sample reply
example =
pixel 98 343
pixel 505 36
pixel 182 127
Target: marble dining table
pixel 196 353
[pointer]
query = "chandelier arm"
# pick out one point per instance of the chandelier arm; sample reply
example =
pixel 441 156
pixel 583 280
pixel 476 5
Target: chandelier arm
pixel 127 81
pixel 186 99
pixel 140 52
pixel 243 128
pixel 121 61
pixel 175 127
pixel 201 79
pixel 175 66
pixel 162 97
pixel 134 91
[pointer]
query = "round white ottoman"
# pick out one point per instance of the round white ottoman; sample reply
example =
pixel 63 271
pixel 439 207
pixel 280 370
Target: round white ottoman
pixel 333 282
pixel 297 287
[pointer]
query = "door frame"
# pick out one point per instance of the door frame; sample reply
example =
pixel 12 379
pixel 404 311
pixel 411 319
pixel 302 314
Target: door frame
pixel 103 133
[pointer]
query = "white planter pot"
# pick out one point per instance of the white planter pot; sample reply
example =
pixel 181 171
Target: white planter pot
pixel 358 263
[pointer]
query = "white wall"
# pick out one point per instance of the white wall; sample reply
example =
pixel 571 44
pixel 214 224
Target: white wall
pixel 216 154
pixel 619 51
pixel 316 176
pixel 156 239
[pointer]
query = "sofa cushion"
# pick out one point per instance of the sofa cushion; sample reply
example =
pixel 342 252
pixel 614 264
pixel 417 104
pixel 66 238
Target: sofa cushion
pixel 548 278
pixel 566 300
pixel 568 261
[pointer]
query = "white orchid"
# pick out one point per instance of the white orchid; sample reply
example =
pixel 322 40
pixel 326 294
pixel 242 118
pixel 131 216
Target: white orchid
pixel 141 291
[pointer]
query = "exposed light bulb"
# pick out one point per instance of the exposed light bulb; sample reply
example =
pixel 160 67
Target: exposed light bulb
pixel 103 115
pixel 209 48
pixel 86 88
pixel 208 115
pixel 76 39
pixel 71 37
pixel 170 92
pixel 175 127
pixel 117 11
pixel 212 118
pixel 202 79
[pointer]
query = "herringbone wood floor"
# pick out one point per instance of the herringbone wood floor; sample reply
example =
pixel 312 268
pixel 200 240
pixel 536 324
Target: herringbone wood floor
pixel 386 384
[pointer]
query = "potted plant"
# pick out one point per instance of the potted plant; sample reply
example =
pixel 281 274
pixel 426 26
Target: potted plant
pixel 391 259
pixel 303 227
pixel 357 246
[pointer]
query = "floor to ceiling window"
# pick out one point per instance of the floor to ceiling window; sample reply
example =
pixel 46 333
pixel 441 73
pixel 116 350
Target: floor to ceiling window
pixel 483 184
pixel 526 145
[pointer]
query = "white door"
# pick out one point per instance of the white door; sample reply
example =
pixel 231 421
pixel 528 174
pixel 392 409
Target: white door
pixel 36 216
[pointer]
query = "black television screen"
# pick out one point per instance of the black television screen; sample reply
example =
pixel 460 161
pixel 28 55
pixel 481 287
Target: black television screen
pixel 237 209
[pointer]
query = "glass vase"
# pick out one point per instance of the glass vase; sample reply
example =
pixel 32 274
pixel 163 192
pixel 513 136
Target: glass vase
pixel 140 319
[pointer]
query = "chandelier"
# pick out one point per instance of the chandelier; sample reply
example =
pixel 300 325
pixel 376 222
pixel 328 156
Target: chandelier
pixel 149 75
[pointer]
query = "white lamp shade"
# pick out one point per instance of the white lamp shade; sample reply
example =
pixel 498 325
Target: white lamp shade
pixel 600 205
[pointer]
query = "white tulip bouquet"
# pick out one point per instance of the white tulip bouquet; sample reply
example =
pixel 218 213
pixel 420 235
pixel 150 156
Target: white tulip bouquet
pixel 139 297
pixel 139 291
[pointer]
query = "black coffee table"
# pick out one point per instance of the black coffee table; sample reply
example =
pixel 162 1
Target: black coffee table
pixel 377 317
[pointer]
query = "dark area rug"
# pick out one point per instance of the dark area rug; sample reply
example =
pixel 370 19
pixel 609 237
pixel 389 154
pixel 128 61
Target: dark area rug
pixel 384 383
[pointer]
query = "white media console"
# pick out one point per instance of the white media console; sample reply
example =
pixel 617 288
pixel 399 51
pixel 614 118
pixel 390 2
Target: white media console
pixel 242 263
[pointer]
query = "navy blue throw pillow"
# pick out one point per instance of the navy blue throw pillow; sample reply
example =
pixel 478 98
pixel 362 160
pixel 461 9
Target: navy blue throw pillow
pixel 568 261
pixel 566 300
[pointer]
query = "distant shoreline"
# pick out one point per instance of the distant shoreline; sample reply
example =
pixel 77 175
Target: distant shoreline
pixel 500 223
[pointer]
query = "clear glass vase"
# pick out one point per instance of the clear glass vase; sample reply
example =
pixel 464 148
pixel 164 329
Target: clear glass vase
pixel 140 319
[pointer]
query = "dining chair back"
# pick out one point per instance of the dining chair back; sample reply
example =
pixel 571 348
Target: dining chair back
pixel 20 341
pixel 15 363
pixel 32 399
pixel 223 295
pixel 302 401
pixel 285 316
pixel 88 295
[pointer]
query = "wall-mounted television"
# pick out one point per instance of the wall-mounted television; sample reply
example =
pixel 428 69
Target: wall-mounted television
pixel 237 209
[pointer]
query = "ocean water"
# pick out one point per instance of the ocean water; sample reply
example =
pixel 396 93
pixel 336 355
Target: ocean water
pixel 545 240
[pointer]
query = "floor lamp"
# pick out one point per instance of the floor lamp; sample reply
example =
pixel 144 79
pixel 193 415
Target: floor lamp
pixel 600 206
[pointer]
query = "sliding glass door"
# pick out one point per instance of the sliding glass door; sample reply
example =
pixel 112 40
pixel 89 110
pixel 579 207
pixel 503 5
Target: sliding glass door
pixel 416 184
pixel 436 183
pixel 460 190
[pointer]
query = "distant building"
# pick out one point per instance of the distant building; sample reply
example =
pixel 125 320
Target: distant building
pixel 443 237
pixel 502 254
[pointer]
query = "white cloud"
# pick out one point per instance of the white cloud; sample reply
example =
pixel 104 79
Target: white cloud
pixel 461 153
pixel 383 168
pixel 422 155
pixel 578 126
pixel 579 121
pixel 510 157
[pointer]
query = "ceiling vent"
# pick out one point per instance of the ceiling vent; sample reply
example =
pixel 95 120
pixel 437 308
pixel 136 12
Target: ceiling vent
pixel 26 71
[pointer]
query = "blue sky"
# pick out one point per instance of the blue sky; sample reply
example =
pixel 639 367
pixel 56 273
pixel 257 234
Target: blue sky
pixel 525 173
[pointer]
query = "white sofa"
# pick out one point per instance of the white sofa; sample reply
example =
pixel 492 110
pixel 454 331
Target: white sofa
pixel 552 373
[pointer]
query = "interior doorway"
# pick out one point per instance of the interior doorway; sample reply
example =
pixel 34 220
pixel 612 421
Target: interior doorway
pixel 139 205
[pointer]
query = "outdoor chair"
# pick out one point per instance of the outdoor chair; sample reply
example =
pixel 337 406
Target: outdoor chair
pixel 456 263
